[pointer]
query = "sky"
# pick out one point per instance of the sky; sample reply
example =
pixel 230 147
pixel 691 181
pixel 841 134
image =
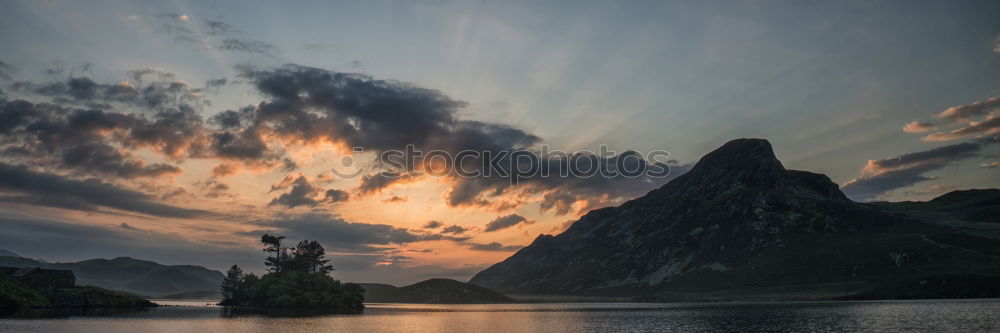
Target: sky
pixel 180 131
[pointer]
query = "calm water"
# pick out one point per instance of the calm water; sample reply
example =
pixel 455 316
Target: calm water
pixel 892 316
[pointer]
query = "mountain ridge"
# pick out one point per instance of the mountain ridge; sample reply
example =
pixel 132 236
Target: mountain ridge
pixel 435 291
pixel 136 276
pixel 738 220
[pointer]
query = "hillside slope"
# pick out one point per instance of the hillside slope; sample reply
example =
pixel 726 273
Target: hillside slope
pixel 740 226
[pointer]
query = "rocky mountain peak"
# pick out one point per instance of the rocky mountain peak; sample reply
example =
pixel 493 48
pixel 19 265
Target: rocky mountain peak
pixel 737 202
pixel 746 166
pixel 742 155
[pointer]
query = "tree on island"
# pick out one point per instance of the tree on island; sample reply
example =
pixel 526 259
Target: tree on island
pixel 297 277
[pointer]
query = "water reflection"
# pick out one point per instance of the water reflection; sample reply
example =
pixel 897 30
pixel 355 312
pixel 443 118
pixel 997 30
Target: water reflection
pixel 70 312
pixel 230 312
pixel 901 316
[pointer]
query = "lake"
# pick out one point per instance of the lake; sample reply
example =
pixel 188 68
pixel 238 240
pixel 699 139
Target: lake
pixel 878 316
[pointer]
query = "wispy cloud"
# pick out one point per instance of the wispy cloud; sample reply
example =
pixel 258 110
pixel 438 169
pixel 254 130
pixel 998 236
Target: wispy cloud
pixel 988 126
pixel 214 34
pixel 494 246
pixel 918 127
pixel 504 222
pixel 879 177
pixel 30 187
pixel 341 235
pixel 964 112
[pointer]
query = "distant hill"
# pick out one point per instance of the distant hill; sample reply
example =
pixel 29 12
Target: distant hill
pixel 439 291
pixel 978 205
pixel 54 289
pixel 194 295
pixel 739 226
pixel 5 253
pixel 130 275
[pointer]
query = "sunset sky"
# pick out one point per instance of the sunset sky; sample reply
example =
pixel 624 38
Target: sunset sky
pixel 180 131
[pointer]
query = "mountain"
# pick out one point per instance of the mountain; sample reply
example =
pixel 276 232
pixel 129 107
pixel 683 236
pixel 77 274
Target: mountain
pixel 5 253
pixel 440 291
pixel 739 225
pixel 135 276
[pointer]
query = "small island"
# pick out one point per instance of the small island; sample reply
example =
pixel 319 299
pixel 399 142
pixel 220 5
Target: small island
pixel 38 288
pixel 297 278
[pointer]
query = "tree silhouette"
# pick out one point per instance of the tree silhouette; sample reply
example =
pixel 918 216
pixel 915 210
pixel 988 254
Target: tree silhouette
pixel 232 282
pixel 299 279
pixel 272 244
pixel 308 257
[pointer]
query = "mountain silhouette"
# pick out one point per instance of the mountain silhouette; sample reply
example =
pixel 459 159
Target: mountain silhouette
pixel 740 225
pixel 135 276
pixel 437 290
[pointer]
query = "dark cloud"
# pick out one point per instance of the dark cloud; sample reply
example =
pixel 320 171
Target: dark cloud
pixel 433 225
pixel 244 145
pixel 454 229
pixel 220 28
pixel 494 246
pixel 879 177
pixel 305 105
pixel 353 108
pixel 340 235
pixel 303 193
pixel 311 104
pixel 395 198
pixel 216 83
pixel 156 92
pixel 934 156
pixel 334 195
pixel 246 45
pixel 375 182
pixel 223 169
pixel 287 165
pixel 505 222
pixel 215 188
pixel 81 139
pixel 873 187
pixel 102 158
pixel 86 195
